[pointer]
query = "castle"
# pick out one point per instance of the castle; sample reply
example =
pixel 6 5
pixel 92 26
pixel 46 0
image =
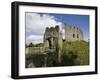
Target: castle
pixel 73 33
pixel 53 37
pixel 50 53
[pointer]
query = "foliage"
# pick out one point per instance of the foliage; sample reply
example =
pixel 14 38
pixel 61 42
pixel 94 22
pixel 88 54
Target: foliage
pixel 30 45
pixel 38 45
pixel 75 53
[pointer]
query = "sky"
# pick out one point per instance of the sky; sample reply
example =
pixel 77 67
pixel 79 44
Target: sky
pixel 37 22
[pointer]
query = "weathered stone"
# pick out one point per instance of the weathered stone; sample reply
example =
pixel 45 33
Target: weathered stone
pixel 73 33
pixel 53 39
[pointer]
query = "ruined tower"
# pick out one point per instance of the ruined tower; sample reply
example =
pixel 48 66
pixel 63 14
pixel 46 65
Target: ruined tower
pixel 53 39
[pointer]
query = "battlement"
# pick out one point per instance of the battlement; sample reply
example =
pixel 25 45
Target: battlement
pixel 51 32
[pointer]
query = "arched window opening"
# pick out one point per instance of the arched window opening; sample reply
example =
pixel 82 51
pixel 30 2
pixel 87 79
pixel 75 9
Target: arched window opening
pixel 73 35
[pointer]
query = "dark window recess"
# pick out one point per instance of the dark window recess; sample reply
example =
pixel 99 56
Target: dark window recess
pixel 73 35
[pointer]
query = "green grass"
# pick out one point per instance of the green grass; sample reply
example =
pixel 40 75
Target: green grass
pixel 73 53
pixel 79 49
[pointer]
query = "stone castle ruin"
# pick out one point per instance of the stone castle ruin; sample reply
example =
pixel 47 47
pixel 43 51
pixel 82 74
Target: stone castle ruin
pixel 53 40
pixel 73 33
pixel 53 37
pixel 50 53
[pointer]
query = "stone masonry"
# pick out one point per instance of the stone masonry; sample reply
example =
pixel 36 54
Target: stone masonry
pixel 53 37
pixel 73 33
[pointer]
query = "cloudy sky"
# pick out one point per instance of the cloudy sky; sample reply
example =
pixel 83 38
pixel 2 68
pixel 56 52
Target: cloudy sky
pixel 37 22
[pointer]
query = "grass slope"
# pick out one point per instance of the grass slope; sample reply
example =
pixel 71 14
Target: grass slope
pixel 77 52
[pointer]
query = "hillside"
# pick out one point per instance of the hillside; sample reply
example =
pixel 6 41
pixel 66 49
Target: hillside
pixel 75 53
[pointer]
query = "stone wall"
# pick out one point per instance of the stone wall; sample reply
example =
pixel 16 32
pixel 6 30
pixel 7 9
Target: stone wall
pixel 73 33
pixel 51 36
pixel 53 39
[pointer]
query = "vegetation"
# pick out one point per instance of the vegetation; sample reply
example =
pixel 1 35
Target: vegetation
pixel 75 53
pixel 34 45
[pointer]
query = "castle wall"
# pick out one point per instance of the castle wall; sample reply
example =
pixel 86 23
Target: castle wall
pixel 60 45
pixel 53 38
pixel 73 33
pixel 50 35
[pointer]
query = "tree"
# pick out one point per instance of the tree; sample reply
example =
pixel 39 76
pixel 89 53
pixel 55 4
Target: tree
pixel 31 44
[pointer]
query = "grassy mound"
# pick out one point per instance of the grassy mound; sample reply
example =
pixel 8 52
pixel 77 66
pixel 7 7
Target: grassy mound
pixel 75 53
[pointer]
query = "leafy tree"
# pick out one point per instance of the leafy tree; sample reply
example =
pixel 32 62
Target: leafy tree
pixel 31 44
